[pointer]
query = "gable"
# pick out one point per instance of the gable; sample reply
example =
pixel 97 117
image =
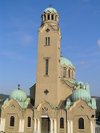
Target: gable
pixel 80 108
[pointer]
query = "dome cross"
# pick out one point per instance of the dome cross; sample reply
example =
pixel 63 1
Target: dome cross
pixel 50 5
pixel 18 86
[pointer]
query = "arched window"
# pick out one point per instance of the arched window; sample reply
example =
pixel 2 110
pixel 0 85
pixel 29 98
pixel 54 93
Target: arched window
pixel 48 16
pixel 81 123
pixel 12 121
pixel 52 17
pixel 29 122
pixel 61 122
pixel 69 73
pixel 44 17
pixel 64 71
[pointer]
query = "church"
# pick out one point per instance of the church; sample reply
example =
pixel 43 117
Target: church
pixel 57 103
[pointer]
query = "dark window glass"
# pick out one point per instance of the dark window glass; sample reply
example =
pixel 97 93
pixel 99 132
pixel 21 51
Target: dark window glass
pixel 69 73
pixel 29 121
pixel 48 16
pixel 12 121
pixel 44 17
pixel 52 17
pixel 64 72
pixel 48 40
pixel 47 66
pixel 61 122
pixel 81 123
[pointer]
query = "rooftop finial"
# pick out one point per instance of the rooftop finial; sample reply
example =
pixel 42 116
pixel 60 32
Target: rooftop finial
pixel 50 5
pixel 19 86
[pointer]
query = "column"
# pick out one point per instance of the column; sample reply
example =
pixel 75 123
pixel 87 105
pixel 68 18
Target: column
pixel 92 126
pixel 51 125
pixel 34 125
pixel 68 126
pixel 46 17
pixel 50 16
pixel 67 72
pixel 21 125
pixel 2 126
pixel 55 126
pixel 38 125
pixel 43 18
pixel 71 126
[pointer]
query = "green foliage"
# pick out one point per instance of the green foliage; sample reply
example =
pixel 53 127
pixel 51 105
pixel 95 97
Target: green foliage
pixel 3 96
pixel 98 115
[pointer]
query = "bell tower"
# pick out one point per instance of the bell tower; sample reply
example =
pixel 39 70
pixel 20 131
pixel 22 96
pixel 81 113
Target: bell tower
pixel 48 61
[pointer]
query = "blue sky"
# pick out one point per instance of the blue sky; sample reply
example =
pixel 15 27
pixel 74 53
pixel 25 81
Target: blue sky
pixel 80 29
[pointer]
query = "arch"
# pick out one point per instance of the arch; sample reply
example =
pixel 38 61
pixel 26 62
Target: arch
pixel 81 123
pixel 29 122
pixel 12 121
pixel 48 16
pixel 61 122
pixel 44 17
pixel 52 16
pixel 69 73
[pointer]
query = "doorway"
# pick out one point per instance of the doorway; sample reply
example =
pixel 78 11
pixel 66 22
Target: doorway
pixel 45 125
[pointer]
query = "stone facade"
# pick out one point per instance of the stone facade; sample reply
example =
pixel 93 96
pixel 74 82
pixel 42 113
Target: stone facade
pixel 57 104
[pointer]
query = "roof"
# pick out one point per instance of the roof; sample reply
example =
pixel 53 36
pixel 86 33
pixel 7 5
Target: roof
pixel 66 62
pixel 50 9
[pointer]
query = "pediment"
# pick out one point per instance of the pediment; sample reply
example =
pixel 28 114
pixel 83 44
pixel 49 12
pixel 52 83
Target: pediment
pixel 80 105
pixel 44 106
pixel 12 104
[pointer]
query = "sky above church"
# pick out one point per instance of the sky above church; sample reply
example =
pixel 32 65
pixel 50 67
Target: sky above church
pixel 80 29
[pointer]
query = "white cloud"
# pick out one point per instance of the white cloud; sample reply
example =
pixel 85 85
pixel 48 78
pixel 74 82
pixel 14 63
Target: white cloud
pixel 99 43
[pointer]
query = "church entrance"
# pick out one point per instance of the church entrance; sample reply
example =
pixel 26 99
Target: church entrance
pixel 45 125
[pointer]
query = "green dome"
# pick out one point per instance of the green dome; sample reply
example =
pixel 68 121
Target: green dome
pixel 50 9
pixel 18 95
pixel 66 62
pixel 79 82
pixel 81 94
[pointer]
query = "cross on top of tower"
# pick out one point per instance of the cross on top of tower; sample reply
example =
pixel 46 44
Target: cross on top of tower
pixel 50 5
pixel 19 86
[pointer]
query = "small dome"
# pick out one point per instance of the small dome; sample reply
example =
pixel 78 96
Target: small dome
pixel 79 82
pixel 81 94
pixel 66 62
pixel 50 9
pixel 18 95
